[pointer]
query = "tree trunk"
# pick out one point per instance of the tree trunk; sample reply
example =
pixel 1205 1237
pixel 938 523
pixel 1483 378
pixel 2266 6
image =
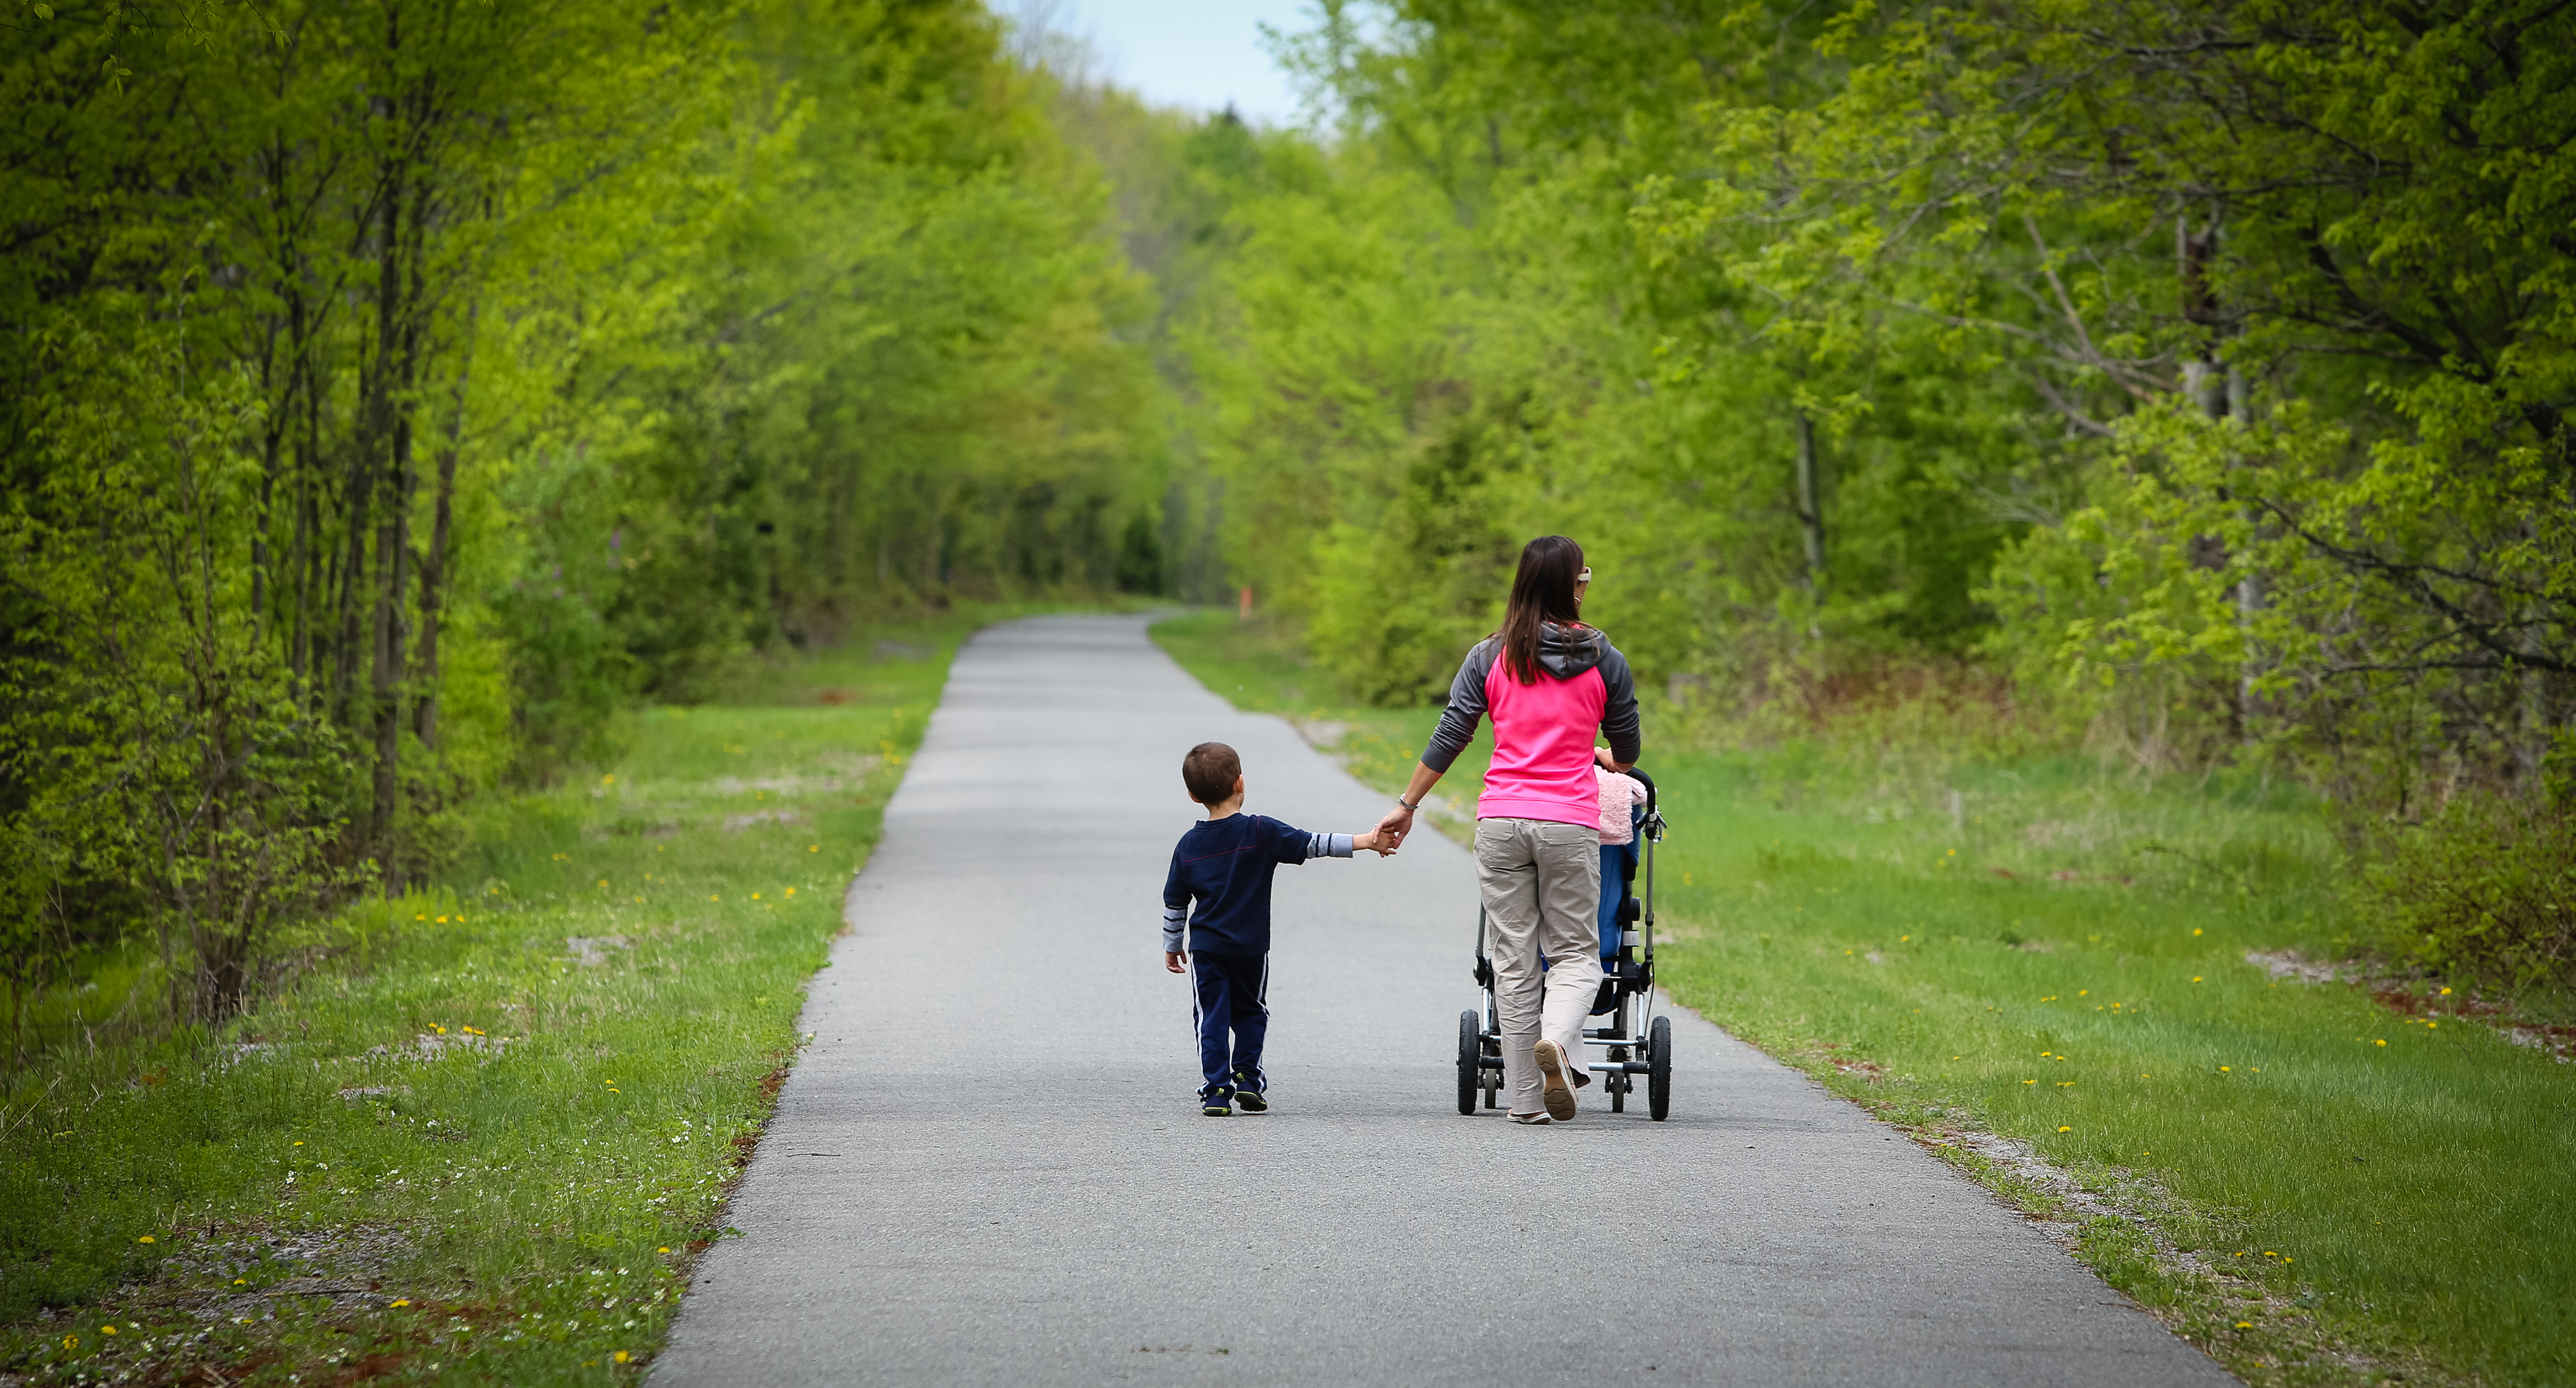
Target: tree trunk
pixel 2220 389
pixel 433 565
pixel 1811 507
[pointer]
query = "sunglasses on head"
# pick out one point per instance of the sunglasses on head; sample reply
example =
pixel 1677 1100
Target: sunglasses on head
pixel 1585 576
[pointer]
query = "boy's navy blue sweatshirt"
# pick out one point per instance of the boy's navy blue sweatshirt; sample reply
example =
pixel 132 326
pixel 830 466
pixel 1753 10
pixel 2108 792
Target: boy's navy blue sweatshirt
pixel 1225 866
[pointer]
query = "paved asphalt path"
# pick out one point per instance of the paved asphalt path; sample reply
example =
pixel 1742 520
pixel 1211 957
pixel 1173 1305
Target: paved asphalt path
pixel 989 1168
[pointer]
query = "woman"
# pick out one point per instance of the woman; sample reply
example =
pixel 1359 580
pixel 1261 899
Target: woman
pixel 1548 682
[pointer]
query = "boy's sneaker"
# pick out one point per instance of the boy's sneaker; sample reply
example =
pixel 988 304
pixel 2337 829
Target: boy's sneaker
pixel 1558 1093
pixel 1246 1097
pixel 1217 1105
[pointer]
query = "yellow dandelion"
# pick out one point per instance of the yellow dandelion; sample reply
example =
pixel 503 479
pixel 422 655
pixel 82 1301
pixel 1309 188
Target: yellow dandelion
pixel 2066 1130
pixel 107 1330
pixel 711 896
pixel 241 1281
pixel 2245 1325
pixel 2446 992
pixel 2222 1069
pixel 402 1301
pixel 2382 1041
pixel 443 920
pixel 608 780
pixel 791 891
pixel 299 1144
pixel 603 881
pixel 2030 1081
pixel 420 918
pixel 621 1356
pixel 817 848
pixel 71 1342
pixel 2195 978
pixel 2428 1026
pixel 755 896
pixel 664 1249
pixel 145 1239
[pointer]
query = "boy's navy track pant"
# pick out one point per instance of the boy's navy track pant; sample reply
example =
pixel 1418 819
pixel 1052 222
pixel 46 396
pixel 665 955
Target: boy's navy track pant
pixel 1232 1000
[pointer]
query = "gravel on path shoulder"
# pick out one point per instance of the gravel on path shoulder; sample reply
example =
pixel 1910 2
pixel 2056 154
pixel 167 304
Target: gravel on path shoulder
pixel 989 1167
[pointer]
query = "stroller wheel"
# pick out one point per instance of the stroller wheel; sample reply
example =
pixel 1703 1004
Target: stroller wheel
pixel 1471 1049
pixel 1659 1075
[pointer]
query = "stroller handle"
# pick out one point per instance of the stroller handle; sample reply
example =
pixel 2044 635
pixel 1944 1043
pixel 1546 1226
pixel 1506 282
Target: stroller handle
pixel 1644 780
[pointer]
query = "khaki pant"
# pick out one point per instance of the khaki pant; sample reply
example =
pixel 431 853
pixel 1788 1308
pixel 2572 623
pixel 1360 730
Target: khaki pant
pixel 1542 890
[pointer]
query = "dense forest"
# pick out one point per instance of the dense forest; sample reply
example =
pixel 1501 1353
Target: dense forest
pixel 399 388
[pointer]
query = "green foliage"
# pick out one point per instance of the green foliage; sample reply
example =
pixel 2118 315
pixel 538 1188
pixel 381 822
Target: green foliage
pixel 2205 366
pixel 397 394
pixel 2483 890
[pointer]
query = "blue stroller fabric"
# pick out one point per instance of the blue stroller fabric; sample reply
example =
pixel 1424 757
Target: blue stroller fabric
pixel 1618 874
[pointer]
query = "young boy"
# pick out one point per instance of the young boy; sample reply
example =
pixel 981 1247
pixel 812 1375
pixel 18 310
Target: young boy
pixel 1225 865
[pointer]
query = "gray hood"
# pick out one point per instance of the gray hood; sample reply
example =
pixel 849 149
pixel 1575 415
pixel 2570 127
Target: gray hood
pixel 1566 652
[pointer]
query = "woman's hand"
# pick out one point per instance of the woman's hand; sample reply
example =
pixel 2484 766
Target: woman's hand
pixel 1399 821
pixel 1390 831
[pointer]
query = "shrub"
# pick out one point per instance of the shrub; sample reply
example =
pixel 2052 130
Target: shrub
pixel 2484 890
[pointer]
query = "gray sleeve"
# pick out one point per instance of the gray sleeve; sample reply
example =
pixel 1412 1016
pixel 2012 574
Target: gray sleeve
pixel 1174 917
pixel 1328 845
pixel 1619 716
pixel 1467 707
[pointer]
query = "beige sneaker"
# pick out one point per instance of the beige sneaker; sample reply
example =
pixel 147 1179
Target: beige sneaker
pixel 1559 1093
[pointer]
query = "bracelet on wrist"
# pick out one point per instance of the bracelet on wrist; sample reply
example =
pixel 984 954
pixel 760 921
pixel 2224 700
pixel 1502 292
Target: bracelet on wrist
pixel 1409 805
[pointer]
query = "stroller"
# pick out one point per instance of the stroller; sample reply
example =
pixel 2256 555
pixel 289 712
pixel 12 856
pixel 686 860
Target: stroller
pixel 1637 1043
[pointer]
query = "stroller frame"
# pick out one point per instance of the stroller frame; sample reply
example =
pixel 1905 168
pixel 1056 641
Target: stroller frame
pixel 1630 1049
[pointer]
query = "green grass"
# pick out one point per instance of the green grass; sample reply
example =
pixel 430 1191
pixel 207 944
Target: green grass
pixel 2058 955
pixel 483 1142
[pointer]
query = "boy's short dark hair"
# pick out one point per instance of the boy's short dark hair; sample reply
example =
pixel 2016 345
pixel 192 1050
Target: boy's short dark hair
pixel 1210 771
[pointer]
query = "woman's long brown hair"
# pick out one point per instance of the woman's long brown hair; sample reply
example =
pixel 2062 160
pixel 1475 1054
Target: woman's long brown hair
pixel 1543 591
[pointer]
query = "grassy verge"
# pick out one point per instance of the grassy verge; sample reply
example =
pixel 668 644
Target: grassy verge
pixel 482 1143
pixel 2318 1180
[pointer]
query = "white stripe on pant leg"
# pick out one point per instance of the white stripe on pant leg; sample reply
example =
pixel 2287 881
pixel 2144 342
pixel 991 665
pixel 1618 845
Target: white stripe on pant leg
pixel 1261 1072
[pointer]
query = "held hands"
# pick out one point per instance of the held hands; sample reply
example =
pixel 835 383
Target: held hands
pixel 1390 832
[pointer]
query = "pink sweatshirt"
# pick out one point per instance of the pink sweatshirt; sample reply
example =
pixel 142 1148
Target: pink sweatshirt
pixel 1543 731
